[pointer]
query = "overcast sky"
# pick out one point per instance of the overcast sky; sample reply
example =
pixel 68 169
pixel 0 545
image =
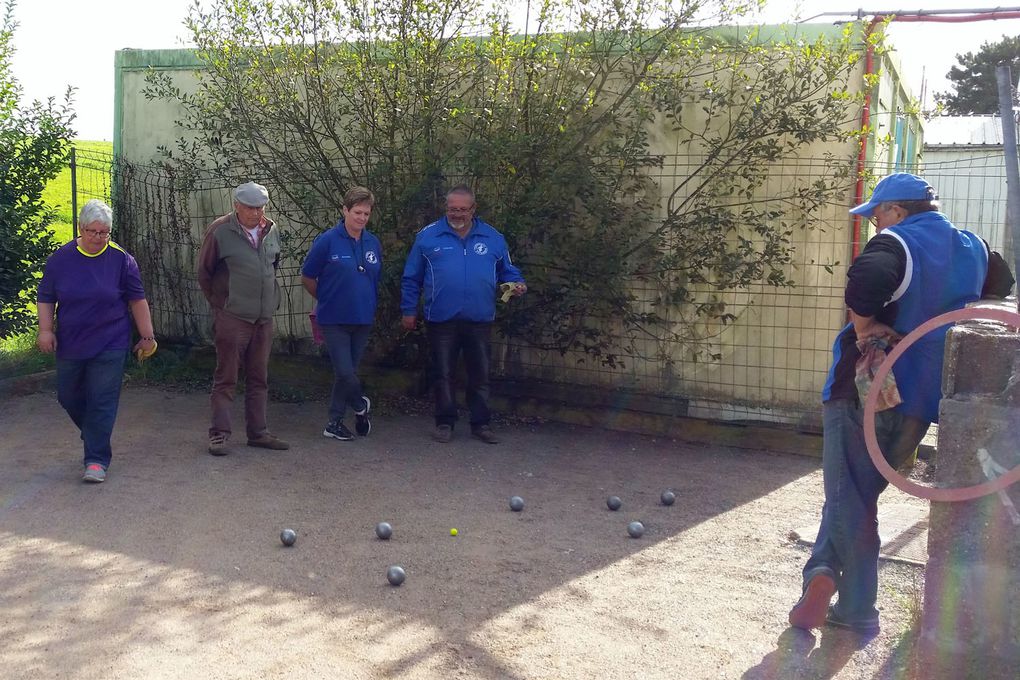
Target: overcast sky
pixel 72 42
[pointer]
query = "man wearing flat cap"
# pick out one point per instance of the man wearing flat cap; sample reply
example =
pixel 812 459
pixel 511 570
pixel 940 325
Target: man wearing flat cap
pixel 918 267
pixel 237 273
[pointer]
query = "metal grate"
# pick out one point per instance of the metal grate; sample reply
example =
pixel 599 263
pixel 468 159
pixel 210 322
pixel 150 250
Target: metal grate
pixel 768 364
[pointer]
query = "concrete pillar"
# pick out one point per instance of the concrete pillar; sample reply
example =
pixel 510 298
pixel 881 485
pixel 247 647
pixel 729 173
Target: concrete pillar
pixel 970 623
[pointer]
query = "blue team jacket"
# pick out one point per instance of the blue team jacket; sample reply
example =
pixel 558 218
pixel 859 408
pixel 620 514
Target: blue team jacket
pixel 460 278
pixel 346 295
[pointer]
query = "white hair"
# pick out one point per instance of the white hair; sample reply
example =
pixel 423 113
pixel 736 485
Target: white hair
pixel 95 211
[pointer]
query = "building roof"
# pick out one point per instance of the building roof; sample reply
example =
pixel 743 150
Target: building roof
pixel 963 131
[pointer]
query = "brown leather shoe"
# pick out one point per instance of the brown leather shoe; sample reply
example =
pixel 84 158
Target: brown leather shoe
pixel 813 606
pixel 485 433
pixel 269 441
pixel 443 434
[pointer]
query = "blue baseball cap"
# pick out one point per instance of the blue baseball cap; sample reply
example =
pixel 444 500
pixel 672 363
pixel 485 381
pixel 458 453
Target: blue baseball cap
pixel 901 186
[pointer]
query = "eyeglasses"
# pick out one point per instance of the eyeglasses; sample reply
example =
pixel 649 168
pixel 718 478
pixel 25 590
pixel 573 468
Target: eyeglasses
pixel 94 233
pixel 458 211
pixel 883 207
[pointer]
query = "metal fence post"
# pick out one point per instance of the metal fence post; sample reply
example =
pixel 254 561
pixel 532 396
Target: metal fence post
pixel 1004 80
pixel 74 195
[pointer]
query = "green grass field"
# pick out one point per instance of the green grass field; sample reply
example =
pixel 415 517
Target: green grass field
pixel 58 192
pixel 18 355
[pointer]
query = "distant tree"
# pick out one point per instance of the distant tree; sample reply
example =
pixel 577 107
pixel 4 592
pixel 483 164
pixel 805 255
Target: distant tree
pixel 34 141
pixel 973 79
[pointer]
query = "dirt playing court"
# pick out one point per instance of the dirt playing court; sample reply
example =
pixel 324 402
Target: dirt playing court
pixel 174 569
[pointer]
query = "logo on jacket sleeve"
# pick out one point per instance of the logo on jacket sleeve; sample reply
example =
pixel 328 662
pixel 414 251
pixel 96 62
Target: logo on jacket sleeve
pixel 481 248
pixel 371 258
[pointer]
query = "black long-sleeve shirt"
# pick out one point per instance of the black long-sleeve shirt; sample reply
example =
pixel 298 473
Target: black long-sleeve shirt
pixel 871 281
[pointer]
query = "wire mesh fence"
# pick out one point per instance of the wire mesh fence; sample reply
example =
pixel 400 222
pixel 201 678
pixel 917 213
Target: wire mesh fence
pixel 91 177
pixel 766 362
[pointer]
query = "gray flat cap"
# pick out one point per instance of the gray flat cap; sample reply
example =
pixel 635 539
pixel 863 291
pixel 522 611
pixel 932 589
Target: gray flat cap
pixel 251 194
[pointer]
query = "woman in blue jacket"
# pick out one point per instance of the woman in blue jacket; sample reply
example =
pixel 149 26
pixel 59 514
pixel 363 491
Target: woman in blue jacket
pixel 342 272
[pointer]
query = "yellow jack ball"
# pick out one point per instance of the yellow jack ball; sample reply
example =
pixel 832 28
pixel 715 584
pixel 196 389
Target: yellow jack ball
pixel 453 532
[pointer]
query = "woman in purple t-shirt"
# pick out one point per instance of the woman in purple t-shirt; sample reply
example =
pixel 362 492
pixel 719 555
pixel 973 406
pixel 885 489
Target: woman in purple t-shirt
pixel 91 289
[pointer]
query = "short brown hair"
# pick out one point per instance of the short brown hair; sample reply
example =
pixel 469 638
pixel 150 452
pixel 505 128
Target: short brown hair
pixel 356 195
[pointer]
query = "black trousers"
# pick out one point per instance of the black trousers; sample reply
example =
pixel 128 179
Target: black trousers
pixel 446 341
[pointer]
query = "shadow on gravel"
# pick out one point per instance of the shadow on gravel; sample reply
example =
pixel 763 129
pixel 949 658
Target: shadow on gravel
pixel 796 656
pixel 175 529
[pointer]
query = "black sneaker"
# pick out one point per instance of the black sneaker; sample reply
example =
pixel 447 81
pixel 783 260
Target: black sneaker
pixel 362 423
pixel 864 627
pixel 443 433
pixel 337 430
pixel 218 444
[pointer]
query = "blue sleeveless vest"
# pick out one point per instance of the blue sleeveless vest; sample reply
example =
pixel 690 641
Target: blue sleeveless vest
pixel 945 270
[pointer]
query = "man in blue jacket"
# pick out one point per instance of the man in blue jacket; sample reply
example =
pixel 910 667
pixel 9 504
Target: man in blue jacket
pixel 460 261
pixel 918 267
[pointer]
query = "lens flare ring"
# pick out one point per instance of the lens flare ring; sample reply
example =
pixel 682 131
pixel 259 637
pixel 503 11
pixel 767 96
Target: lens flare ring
pixel 965 493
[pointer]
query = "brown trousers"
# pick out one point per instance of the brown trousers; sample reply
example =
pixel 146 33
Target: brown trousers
pixel 240 344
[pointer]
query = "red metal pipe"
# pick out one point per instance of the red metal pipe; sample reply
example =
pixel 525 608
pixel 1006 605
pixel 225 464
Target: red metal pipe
pixel 862 152
pixel 987 16
pixel 869 65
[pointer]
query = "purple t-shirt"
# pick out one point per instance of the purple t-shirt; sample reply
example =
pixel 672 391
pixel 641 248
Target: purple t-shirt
pixel 91 294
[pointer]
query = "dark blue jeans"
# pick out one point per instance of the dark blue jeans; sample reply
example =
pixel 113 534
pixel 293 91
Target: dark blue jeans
pixel 446 341
pixel 848 542
pixel 345 344
pixel 89 390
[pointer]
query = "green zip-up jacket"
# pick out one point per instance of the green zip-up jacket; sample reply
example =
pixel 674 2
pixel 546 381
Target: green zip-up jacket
pixel 235 276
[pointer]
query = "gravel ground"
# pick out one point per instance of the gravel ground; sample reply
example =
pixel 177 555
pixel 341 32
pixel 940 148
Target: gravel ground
pixel 174 569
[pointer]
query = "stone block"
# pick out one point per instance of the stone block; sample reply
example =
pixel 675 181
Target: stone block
pixel 981 531
pixel 977 441
pixel 970 621
pixel 979 359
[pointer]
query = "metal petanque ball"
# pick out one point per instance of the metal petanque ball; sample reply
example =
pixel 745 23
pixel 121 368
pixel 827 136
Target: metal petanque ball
pixel 516 503
pixel 395 575
pixel 614 503
pixel 667 498
pixel 383 530
pixel 287 537
pixel 636 529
